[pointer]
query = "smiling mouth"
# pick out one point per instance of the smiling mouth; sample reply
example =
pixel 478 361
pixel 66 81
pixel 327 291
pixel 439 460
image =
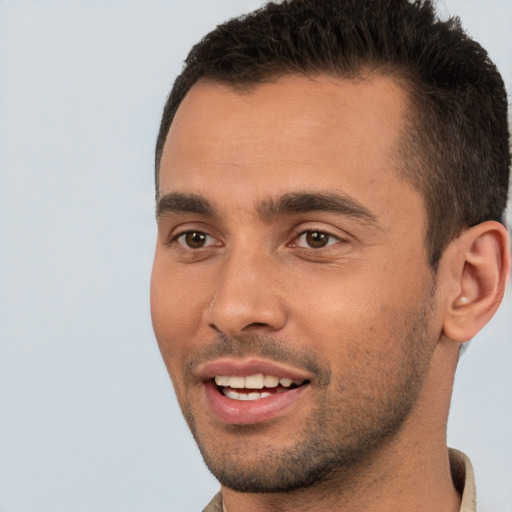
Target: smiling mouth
pixel 254 387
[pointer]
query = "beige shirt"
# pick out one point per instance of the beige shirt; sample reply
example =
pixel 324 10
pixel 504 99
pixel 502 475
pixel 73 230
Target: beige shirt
pixel 462 474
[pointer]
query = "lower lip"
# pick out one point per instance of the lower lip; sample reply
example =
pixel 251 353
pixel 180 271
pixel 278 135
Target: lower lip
pixel 249 412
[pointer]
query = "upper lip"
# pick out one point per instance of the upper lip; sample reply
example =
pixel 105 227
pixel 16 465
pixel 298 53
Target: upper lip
pixel 250 366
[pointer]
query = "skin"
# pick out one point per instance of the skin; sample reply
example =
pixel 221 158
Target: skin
pixel 257 284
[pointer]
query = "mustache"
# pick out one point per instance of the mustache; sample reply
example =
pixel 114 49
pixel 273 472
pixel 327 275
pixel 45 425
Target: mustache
pixel 257 345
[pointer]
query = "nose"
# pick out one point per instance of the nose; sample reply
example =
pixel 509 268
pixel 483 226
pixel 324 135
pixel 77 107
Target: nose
pixel 247 297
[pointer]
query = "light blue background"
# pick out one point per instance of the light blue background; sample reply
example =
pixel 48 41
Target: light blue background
pixel 88 420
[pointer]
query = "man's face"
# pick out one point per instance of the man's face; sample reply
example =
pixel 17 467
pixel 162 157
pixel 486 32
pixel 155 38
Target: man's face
pixel 291 296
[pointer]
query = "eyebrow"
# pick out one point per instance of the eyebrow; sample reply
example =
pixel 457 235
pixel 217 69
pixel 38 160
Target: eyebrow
pixel 270 209
pixel 304 202
pixel 176 202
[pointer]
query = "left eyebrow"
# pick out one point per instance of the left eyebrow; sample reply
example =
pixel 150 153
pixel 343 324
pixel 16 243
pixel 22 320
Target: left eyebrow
pixel 305 202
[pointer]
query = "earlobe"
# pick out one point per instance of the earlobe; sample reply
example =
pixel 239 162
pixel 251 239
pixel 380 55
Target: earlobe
pixel 479 265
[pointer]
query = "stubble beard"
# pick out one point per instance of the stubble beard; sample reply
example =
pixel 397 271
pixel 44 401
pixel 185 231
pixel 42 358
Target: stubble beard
pixel 350 423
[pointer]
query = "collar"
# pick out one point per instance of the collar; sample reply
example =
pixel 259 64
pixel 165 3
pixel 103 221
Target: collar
pixel 463 479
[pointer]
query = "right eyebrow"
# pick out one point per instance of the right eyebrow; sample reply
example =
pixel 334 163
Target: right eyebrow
pixel 176 202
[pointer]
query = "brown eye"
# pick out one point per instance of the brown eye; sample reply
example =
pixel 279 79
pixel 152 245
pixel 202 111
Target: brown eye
pixel 195 239
pixel 316 239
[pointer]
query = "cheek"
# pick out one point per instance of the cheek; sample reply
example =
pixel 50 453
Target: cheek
pixel 340 300
pixel 172 315
pixel 361 315
pixel 176 295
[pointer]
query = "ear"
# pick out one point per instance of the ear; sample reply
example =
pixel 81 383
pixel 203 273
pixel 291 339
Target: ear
pixel 477 265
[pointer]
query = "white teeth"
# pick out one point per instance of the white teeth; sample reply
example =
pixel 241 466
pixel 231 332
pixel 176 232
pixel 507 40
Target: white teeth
pixel 255 381
pixel 236 382
pixel 270 381
pixel 221 380
pixel 234 395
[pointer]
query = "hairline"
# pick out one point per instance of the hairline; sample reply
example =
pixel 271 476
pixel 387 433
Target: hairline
pixel 365 72
pixel 411 155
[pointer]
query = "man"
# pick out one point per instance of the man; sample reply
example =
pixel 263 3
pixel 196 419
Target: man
pixel 331 183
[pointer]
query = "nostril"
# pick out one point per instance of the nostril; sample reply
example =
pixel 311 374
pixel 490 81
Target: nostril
pixel 255 325
pixel 215 328
pixel 232 312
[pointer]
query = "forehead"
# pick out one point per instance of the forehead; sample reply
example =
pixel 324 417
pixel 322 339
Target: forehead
pixel 297 133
